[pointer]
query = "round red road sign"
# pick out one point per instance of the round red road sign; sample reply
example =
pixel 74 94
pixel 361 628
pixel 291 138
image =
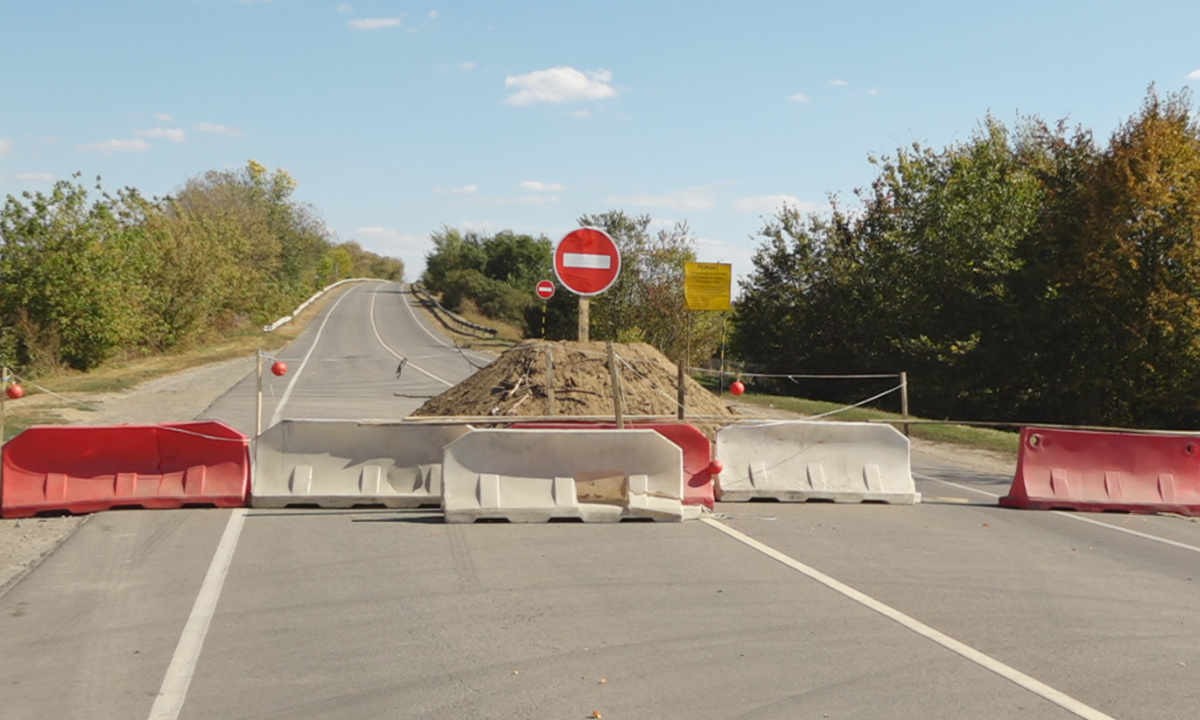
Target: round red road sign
pixel 545 289
pixel 587 261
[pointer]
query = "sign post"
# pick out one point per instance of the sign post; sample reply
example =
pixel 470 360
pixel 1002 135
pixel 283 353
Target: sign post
pixel 545 290
pixel 587 263
pixel 706 286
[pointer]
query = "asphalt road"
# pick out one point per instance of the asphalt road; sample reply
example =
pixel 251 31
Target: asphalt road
pixel 954 608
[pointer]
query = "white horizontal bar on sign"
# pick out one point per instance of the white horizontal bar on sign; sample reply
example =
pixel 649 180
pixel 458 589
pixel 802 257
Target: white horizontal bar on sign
pixel 587 260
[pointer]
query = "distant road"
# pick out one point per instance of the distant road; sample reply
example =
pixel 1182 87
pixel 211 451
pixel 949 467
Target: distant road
pixel 344 365
pixel 954 608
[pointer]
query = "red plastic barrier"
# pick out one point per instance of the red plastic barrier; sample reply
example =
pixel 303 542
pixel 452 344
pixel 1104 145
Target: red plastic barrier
pixel 1106 471
pixel 86 469
pixel 697 452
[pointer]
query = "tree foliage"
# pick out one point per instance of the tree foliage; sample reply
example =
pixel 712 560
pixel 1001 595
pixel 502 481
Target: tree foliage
pixel 497 274
pixel 83 279
pixel 1026 274
pixel 494 273
pixel 646 302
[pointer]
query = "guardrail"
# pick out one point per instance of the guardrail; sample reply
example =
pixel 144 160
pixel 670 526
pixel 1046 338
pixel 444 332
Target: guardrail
pixel 448 317
pixel 288 318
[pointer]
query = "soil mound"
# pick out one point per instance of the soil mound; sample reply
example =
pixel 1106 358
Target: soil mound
pixel 515 385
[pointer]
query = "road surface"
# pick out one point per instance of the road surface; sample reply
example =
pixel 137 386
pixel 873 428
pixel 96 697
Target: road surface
pixel 954 608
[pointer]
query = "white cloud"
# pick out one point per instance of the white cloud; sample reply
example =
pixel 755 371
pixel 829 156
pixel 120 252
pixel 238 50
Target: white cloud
pixel 36 177
pixel 114 146
pixel 374 23
pixel 535 186
pixel 345 8
pixel 175 135
pixel 692 199
pixel 771 204
pixel 217 128
pixel 798 98
pixel 1194 75
pixel 5 146
pixel 433 14
pixel 468 65
pixel 874 91
pixel 537 200
pixel 559 85
pixel 487 227
pixel 462 190
pixel 164 117
pixel 838 83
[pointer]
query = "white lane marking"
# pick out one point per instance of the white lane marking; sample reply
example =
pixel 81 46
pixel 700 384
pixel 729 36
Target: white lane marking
pixel 987 662
pixel 175 684
pixel 1073 516
pixel 1127 531
pixel 287 392
pixel 968 488
pixel 587 261
pixel 432 335
pixel 398 356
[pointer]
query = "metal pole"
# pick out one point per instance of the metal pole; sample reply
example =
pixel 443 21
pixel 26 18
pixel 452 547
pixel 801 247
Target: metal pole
pixel 721 387
pixel 682 390
pixel 258 405
pixel 904 399
pixel 3 395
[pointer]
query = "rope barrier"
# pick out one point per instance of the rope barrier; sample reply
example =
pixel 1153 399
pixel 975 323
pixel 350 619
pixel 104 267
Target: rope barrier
pixel 792 376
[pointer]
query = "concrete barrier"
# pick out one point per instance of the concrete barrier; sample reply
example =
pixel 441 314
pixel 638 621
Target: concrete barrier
pixel 1106 471
pixel 345 464
pixel 696 447
pixel 807 460
pixel 66 469
pixel 542 475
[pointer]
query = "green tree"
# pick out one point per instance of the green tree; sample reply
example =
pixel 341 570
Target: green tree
pixel 495 274
pixel 64 287
pixel 646 303
pixel 1133 292
pixel 918 280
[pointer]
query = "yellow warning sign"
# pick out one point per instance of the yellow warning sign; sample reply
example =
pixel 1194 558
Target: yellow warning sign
pixel 706 285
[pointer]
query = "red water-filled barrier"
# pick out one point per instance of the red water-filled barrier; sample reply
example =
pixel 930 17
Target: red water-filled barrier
pixel 697 452
pixel 55 469
pixel 1106 472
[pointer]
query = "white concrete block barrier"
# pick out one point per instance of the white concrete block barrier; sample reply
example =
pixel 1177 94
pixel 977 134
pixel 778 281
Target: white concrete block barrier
pixel 347 463
pixel 540 475
pixel 808 460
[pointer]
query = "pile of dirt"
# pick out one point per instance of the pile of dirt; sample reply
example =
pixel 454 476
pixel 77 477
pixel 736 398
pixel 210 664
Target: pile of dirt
pixel 515 385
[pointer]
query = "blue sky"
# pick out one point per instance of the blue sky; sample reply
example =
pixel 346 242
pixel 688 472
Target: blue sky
pixel 397 118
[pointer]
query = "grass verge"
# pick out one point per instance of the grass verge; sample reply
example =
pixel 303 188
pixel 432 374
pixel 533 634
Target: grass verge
pixel 39 408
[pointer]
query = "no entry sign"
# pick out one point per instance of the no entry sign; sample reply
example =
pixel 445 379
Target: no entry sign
pixel 587 261
pixel 545 289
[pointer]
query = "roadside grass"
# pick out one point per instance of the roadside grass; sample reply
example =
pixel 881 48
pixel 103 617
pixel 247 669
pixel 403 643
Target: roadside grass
pixel 507 335
pixel 18 421
pixel 998 441
pixel 117 375
pixel 123 374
